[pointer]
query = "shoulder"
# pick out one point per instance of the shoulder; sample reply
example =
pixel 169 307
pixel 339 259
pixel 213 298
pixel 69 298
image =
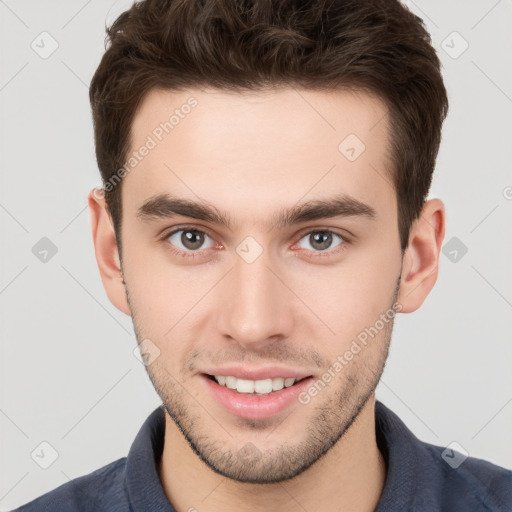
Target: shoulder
pixel 424 477
pixel 102 489
pixel 469 483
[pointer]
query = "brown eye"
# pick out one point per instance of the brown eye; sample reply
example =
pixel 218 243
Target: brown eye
pixel 189 239
pixel 320 240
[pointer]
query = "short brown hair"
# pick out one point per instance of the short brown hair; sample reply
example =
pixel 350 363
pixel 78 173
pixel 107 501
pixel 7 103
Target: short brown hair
pixel 377 46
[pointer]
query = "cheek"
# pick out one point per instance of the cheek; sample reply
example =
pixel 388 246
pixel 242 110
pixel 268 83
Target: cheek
pixel 351 295
pixel 170 301
pixel 164 296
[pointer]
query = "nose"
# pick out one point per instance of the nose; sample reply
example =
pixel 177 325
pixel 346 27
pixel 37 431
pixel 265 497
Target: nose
pixel 256 307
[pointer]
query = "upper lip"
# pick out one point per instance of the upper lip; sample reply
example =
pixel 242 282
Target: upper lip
pixel 269 372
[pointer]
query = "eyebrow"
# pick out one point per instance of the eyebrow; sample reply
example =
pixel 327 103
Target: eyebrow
pixel 165 206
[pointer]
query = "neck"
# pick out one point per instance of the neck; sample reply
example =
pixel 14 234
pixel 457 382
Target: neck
pixel 350 476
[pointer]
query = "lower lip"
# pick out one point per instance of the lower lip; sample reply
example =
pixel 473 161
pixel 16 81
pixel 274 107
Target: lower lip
pixel 255 407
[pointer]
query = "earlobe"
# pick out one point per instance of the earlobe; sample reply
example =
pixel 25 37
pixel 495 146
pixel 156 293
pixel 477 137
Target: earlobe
pixel 106 250
pixel 421 258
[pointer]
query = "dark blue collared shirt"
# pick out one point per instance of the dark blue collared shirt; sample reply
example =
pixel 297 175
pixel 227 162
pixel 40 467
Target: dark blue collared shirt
pixel 420 477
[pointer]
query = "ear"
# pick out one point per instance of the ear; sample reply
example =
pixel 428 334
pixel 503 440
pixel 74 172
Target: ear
pixel 105 247
pixel 421 258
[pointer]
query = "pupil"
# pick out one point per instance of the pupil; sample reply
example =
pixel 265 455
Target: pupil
pixel 321 240
pixel 192 239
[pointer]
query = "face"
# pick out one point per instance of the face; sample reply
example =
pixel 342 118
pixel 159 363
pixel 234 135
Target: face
pixel 260 245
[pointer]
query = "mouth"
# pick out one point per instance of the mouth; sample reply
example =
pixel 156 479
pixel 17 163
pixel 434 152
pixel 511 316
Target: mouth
pixel 259 387
pixel 260 399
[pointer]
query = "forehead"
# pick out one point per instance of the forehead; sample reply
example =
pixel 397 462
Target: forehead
pixel 256 151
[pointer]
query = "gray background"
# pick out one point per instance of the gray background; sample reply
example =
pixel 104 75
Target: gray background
pixel 68 373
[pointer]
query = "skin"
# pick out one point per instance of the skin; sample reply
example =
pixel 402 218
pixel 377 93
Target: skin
pixel 297 306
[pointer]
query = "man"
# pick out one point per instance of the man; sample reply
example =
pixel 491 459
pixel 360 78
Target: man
pixel 263 218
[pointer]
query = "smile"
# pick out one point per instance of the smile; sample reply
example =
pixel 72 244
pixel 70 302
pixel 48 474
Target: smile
pixel 258 387
pixel 255 399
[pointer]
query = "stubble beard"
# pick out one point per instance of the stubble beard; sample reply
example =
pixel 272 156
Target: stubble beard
pixel 330 421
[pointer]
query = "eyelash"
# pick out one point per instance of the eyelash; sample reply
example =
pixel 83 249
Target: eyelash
pixel 195 254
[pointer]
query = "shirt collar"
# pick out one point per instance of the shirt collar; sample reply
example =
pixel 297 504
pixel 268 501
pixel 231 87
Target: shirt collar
pixel 396 442
pixel 142 481
pixel 398 446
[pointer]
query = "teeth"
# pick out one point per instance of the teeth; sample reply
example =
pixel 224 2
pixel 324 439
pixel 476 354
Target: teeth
pixel 277 384
pixel 288 382
pixel 230 382
pixel 260 387
pixel 245 386
pixel 263 386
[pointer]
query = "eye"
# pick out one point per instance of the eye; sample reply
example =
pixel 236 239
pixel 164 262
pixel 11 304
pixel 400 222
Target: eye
pixel 190 240
pixel 320 240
